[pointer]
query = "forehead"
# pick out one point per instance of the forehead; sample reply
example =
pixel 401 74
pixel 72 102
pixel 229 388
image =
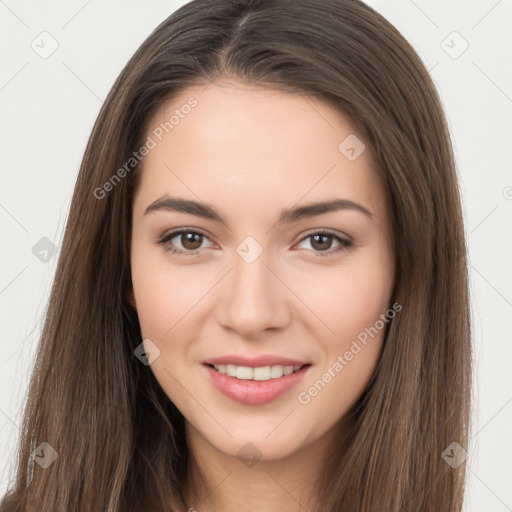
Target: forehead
pixel 227 141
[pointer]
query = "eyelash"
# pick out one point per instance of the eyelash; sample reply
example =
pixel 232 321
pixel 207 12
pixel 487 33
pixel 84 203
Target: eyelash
pixel 344 243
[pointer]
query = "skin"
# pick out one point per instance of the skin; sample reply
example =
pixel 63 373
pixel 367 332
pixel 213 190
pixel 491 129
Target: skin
pixel 251 152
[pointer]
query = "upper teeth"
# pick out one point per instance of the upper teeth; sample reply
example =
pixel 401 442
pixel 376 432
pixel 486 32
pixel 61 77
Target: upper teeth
pixel 259 373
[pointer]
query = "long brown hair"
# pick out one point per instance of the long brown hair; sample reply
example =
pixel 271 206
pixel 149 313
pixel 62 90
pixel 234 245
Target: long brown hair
pixel 120 440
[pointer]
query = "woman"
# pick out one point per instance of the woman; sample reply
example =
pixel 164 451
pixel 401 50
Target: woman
pixel 261 301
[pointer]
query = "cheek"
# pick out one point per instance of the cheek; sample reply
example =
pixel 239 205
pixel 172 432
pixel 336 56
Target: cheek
pixel 348 299
pixel 155 301
pixel 164 294
pixel 358 300
pixel 351 305
pixel 168 302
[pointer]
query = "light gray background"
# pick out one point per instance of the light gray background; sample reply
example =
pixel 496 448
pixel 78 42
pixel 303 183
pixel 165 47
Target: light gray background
pixel 48 107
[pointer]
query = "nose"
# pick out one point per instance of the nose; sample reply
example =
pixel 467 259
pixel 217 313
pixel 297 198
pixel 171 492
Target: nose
pixel 254 298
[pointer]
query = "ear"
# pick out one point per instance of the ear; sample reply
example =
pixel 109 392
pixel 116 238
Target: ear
pixel 131 299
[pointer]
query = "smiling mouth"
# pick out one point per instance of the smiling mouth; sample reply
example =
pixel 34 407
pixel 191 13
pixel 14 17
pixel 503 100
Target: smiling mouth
pixel 260 373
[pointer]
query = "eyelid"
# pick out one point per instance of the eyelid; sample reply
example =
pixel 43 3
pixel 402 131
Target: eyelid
pixel 325 231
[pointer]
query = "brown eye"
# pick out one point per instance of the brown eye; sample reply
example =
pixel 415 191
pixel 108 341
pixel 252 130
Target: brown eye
pixel 184 241
pixel 322 242
pixel 191 241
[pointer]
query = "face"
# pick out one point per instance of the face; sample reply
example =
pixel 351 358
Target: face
pixel 253 291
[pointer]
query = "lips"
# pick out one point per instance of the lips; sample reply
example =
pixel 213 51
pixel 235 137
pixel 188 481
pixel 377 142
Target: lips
pixel 261 387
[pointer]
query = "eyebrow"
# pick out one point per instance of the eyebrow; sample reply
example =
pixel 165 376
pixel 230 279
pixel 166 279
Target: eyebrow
pixel 207 211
